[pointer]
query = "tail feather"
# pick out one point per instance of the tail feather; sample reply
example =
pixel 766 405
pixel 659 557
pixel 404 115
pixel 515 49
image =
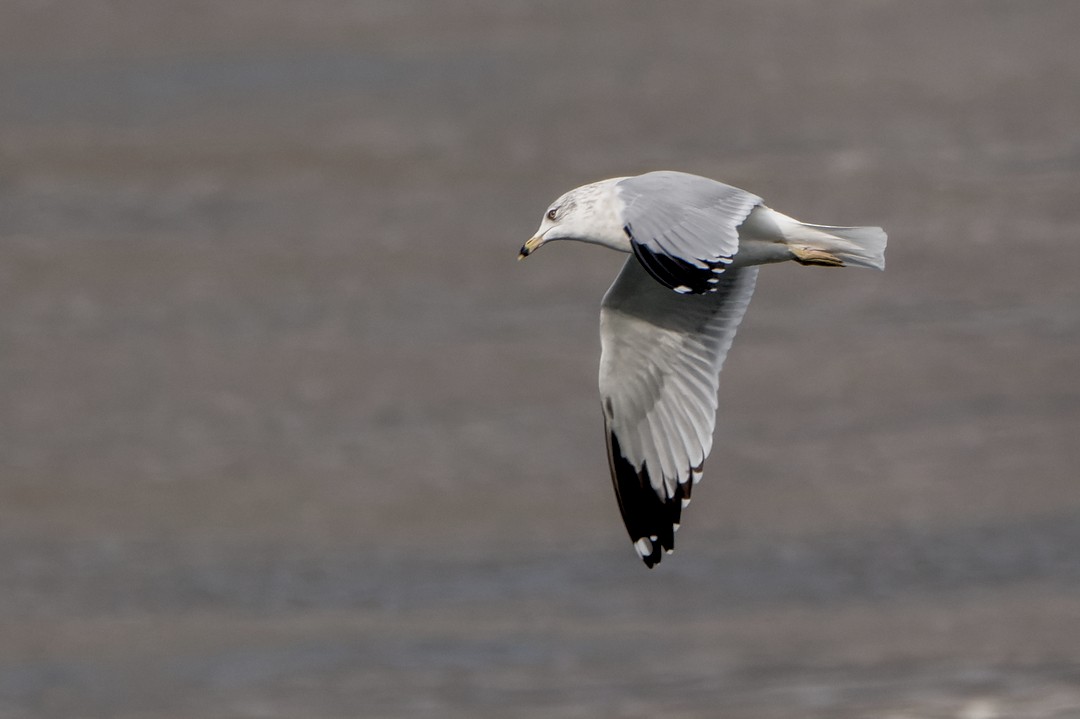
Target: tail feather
pixel 857 246
pixel 820 244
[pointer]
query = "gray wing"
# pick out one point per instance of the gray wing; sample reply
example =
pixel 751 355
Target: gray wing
pixel 659 372
pixel 683 228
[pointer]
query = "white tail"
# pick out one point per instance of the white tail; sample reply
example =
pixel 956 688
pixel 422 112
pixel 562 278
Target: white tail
pixel 821 244
pixel 857 246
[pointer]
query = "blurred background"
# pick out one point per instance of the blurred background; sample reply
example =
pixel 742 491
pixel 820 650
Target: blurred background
pixel 286 431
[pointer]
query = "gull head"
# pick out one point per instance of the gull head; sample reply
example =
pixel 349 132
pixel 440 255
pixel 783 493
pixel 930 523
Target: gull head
pixel 590 213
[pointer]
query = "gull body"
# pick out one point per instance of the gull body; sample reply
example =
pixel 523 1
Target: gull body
pixel 668 320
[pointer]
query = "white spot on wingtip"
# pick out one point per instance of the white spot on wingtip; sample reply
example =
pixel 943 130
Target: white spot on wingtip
pixel 669 551
pixel 653 537
pixel 675 526
pixel 685 503
pixel 713 280
pixel 643 547
pixel 682 289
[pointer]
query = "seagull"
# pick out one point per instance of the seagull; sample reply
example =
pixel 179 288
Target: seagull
pixel 668 320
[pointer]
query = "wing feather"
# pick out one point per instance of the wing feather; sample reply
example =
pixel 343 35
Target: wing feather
pixel 659 372
pixel 683 228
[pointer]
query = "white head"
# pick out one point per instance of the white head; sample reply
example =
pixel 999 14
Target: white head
pixel 590 213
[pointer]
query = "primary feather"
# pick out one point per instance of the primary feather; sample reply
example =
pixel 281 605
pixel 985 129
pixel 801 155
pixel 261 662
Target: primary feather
pixel 659 372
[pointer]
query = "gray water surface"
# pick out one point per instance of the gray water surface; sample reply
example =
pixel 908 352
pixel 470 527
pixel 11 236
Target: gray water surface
pixel 286 431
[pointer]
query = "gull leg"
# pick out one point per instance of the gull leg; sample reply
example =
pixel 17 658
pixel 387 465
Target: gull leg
pixel 805 255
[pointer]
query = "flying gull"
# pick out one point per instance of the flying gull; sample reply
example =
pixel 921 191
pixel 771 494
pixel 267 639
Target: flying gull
pixel 669 318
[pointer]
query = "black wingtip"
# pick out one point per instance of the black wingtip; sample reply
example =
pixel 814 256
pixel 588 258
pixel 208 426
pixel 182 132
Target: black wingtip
pixel 649 550
pixel 678 274
pixel 649 518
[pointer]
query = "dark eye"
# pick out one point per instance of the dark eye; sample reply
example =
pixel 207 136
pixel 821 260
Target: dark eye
pixel 551 214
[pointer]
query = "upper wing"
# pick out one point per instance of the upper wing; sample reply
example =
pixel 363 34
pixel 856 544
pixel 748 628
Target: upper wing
pixel 683 228
pixel 659 372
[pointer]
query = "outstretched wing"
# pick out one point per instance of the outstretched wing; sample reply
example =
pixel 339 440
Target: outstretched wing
pixel 659 372
pixel 683 228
